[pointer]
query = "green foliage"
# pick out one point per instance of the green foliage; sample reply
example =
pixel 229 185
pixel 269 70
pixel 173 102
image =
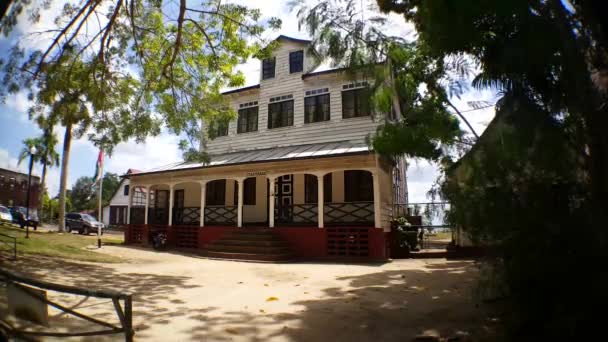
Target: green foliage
pixel 535 187
pixel 84 193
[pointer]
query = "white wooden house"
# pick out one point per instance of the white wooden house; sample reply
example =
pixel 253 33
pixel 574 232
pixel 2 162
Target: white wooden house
pixel 295 160
pixel 115 213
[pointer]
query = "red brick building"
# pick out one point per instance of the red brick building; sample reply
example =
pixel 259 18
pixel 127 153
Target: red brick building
pixel 13 189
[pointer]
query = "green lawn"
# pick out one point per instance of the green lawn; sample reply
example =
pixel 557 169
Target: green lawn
pixel 59 245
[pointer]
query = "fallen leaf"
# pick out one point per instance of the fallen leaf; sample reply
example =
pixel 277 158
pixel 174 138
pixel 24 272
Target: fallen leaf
pixel 232 331
pixel 265 284
pixel 262 311
pixel 271 299
pixel 305 292
pixel 240 282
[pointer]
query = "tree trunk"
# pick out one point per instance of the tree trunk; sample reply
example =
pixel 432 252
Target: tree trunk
pixel 65 159
pixel 41 192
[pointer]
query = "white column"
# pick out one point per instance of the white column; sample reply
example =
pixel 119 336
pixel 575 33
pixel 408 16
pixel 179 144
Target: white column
pixel 171 204
pixel 131 191
pixel 203 193
pixel 271 186
pixel 147 189
pixel 377 207
pixel 240 203
pixel 320 199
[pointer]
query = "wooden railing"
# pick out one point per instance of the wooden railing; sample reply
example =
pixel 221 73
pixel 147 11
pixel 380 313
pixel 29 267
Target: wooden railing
pixel 220 214
pixel 306 214
pixel 188 216
pixel 349 213
pixel 30 287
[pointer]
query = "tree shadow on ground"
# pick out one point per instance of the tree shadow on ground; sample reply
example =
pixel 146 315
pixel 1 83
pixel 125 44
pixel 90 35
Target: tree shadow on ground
pixel 392 305
pixel 150 293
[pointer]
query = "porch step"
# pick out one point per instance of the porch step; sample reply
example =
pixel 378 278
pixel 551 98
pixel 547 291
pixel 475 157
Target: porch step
pixel 249 256
pixel 250 244
pixel 221 247
pixel 236 241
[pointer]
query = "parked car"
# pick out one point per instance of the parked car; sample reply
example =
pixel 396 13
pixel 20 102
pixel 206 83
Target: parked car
pixel 5 214
pixel 19 217
pixel 82 223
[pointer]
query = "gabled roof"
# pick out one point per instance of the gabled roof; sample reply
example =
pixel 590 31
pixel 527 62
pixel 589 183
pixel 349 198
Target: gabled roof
pixel 309 151
pixel 238 90
pixel 295 40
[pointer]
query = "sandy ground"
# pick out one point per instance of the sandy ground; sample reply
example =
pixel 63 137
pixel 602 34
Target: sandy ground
pixel 183 298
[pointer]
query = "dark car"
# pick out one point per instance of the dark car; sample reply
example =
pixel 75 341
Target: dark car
pixel 82 223
pixel 19 214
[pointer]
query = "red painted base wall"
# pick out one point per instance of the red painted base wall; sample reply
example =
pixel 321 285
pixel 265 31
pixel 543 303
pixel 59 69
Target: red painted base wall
pixel 305 242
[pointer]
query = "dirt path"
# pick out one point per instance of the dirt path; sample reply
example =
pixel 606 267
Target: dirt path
pixel 179 298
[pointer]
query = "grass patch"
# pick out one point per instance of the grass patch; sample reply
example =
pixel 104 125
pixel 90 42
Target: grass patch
pixel 59 245
pixel 441 236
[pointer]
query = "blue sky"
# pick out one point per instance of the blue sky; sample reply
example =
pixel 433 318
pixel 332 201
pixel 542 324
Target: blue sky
pixel 156 151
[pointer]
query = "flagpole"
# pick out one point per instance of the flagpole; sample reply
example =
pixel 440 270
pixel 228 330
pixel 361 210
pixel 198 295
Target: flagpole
pixel 100 213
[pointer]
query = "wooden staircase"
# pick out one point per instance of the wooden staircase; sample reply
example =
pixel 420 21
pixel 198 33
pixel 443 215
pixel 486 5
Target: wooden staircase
pixel 250 244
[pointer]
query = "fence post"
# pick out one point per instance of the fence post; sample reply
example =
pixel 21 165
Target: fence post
pixel 129 319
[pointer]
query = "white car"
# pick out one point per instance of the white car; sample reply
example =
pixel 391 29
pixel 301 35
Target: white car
pixel 5 214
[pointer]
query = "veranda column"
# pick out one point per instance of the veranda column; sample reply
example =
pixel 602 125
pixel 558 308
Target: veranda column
pixel 271 186
pixel 147 189
pixel 171 204
pixel 131 191
pixel 320 199
pixel 240 203
pixel 377 207
pixel 203 195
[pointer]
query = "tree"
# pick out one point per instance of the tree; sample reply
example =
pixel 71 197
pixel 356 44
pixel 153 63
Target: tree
pixel 138 70
pixel 544 203
pixel 45 155
pixel 83 195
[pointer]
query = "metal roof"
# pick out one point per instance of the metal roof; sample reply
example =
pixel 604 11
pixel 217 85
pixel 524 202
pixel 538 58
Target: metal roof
pixel 309 151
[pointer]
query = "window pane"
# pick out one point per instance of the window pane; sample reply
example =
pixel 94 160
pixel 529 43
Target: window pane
pixel 216 192
pixel 296 61
pixel 310 189
pixel 268 68
pixel 356 103
pixel 280 114
pixel 316 108
pixel 248 120
pixel 348 104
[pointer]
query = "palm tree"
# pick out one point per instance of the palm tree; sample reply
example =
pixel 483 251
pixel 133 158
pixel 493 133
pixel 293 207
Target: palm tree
pixel 46 155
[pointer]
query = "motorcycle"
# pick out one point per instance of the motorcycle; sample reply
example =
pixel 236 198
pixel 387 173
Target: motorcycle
pixel 159 241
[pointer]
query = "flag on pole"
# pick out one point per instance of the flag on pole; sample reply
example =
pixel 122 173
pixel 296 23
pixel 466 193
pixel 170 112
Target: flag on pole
pixel 98 168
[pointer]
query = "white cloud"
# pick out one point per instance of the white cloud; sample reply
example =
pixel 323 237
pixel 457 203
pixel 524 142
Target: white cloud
pixel 11 163
pixel 155 152
pixel 420 178
pixel 19 103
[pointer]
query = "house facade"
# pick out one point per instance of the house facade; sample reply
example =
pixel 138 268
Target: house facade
pixel 115 213
pixel 295 161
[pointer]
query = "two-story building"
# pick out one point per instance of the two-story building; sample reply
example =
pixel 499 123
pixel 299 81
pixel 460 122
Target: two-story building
pixel 13 189
pixel 295 161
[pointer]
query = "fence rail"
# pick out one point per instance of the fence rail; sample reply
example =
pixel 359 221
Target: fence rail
pixel 124 313
pixel 8 244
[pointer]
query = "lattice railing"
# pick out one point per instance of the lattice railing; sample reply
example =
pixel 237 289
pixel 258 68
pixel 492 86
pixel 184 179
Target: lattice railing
pixel 349 212
pixel 298 213
pixel 348 242
pixel 135 233
pixel 186 236
pixel 220 214
pixel 189 216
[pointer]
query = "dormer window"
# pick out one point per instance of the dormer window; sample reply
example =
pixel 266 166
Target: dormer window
pixel 296 61
pixel 268 68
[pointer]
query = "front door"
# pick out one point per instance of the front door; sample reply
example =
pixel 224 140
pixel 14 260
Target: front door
pixel 283 199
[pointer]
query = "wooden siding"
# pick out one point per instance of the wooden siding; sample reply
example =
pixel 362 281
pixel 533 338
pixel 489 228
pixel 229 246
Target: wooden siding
pixel 284 83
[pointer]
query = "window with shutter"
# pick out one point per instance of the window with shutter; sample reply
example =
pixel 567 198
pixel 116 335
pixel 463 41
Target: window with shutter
pixel 316 108
pixel 356 103
pixel 247 120
pixel 296 61
pixel 268 68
